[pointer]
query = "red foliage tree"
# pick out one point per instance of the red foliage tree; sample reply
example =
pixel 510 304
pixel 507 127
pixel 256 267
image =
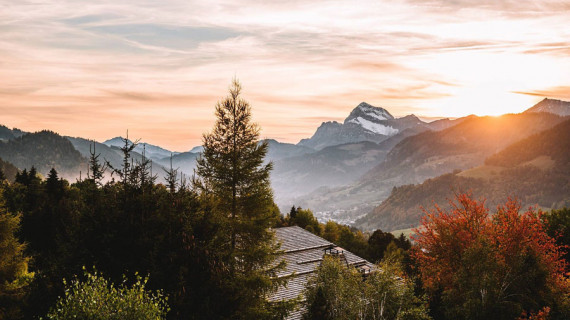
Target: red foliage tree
pixel 482 266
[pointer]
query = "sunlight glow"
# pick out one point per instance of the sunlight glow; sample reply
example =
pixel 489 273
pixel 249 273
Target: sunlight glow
pixel 300 62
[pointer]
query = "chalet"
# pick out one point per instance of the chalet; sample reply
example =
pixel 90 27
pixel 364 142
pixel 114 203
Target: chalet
pixel 304 252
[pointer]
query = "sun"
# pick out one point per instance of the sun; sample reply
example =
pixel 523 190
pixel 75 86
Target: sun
pixel 488 100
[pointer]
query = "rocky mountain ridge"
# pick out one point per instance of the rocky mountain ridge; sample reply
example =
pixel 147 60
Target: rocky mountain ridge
pixel 535 170
pixel 364 123
pixel 559 107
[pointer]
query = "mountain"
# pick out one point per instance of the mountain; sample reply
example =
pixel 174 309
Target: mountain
pixel 151 151
pixel 85 147
pixel 197 149
pixel 437 125
pixel 184 162
pixel 279 150
pixel 364 123
pixel 559 107
pixel 332 166
pixel 535 170
pixel 443 124
pixel 427 155
pixel 6 133
pixel 9 134
pixel 113 155
pixel 43 150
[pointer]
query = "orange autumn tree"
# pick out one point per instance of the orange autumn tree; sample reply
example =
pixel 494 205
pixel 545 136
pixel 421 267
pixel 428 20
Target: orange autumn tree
pixel 475 265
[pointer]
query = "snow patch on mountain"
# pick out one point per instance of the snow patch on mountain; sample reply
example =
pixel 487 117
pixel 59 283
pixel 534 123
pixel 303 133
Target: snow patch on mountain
pixel 364 123
pixel 374 127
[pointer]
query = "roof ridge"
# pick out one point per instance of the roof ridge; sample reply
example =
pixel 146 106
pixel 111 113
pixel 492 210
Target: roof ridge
pixel 309 248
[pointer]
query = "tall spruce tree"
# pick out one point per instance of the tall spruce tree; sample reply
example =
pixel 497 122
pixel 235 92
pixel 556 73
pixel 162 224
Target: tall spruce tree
pixel 171 177
pixel 97 169
pixel 230 172
pixel 128 172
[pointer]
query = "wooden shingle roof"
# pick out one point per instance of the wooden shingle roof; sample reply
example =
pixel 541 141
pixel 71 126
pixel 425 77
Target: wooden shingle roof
pixel 303 252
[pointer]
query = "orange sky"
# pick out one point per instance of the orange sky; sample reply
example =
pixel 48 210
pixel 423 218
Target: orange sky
pixel 97 68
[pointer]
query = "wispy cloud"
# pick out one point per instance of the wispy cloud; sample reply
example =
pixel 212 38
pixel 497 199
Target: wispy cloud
pixel 158 67
pixel 561 92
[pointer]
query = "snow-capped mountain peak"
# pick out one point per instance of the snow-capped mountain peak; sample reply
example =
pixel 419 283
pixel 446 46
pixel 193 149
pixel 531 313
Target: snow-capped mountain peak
pixel 372 119
pixel 364 123
pixel 369 112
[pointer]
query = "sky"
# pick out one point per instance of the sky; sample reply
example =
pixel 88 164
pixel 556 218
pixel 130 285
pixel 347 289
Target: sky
pixel 157 68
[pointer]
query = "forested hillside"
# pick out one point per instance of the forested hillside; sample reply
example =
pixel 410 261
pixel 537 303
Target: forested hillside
pixel 535 170
pixel 43 150
pixel 430 154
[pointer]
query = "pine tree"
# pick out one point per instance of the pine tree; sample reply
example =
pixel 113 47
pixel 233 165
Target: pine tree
pixel 52 181
pixel 171 177
pixel 54 186
pixel 142 173
pixel 127 171
pixel 293 213
pixel 95 168
pixel 231 172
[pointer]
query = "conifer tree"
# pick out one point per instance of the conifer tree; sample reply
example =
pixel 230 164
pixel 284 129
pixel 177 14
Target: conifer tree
pixel 52 181
pixel 171 177
pixel 95 168
pixel 126 172
pixel 142 173
pixel 54 185
pixel 231 172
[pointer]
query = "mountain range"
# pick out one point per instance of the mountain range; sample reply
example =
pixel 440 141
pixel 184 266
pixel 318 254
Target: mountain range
pixel 150 151
pixel 345 171
pixel 364 123
pixel 534 170
pixel 423 156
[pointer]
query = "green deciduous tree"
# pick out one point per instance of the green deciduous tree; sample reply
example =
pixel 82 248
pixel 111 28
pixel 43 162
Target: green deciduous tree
pixel 14 276
pixel 305 219
pixel 338 292
pixel 98 299
pixel 557 224
pixel 231 175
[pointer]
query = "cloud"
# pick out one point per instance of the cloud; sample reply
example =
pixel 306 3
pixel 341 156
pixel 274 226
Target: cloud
pixel 560 92
pixel 163 65
pixel 561 49
pixel 509 8
pixel 166 36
